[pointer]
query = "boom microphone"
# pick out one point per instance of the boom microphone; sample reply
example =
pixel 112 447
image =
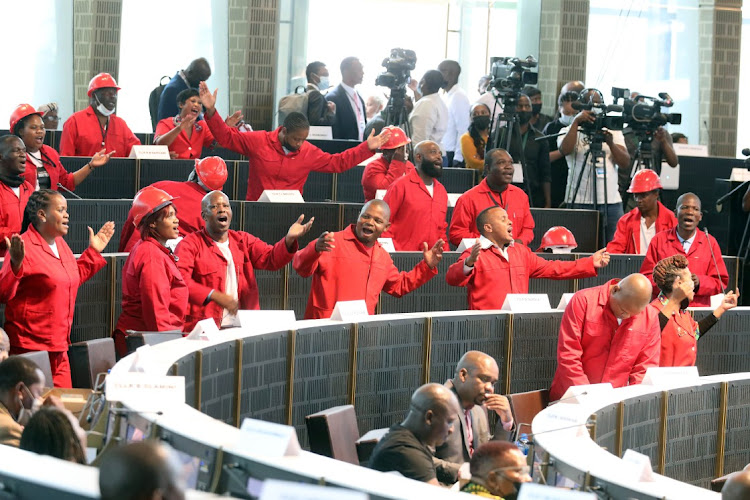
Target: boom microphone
pixel 716 266
pixel 746 151
pixel 668 101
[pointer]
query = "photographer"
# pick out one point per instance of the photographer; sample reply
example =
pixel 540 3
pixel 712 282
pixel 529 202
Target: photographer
pixel 573 146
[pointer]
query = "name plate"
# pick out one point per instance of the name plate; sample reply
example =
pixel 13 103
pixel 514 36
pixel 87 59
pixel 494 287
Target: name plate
pixel 739 175
pixel 690 149
pixel 274 489
pixel 150 152
pixel 148 390
pixel 387 244
pixel 269 439
pixel 324 133
pixel 667 375
pixel 262 320
pixel 281 196
pixel 380 194
pixel 517 173
pixel 466 244
pixel 564 301
pixel 576 392
pixel 349 310
pixel 205 329
pixel 453 198
pixel 526 302
pixel 536 491
pixel 639 465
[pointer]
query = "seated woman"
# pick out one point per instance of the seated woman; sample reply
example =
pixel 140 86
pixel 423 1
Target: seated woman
pixel 474 142
pixel 55 432
pixel 43 167
pixel 184 134
pixel 679 331
pixel 40 280
pixel 154 295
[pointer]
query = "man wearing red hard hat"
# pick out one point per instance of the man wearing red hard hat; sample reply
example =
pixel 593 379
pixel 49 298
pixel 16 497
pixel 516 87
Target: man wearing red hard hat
pixel 391 166
pixel 98 127
pixel 636 228
pixel 209 174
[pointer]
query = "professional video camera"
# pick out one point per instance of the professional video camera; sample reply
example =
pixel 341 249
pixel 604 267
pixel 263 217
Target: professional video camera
pixel 603 120
pixel 398 66
pixel 510 74
pixel 644 112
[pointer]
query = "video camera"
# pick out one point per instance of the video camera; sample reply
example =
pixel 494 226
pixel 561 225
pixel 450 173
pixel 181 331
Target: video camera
pixel 511 74
pixel 603 119
pixel 398 66
pixel 644 112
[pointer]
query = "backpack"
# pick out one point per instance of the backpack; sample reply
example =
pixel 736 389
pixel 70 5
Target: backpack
pixel 153 100
pixel 294 102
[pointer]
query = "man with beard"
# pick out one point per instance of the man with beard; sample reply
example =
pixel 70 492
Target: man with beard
pixel 14 190
pixel 351 264
pixel 406 447
pixel 474 386
pixel 282 159
pixel 419 202
pixel 536 154
pixel 98 127
pixel 218 263
pixel 495 267
pixel 495 190
pixel 701 249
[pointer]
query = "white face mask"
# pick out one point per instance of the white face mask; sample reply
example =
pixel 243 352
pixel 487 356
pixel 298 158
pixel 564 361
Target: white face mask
pixel 101 108
pixel 566 120
pixel 324 83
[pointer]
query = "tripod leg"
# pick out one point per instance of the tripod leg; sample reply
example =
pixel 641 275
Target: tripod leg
pixel 580 178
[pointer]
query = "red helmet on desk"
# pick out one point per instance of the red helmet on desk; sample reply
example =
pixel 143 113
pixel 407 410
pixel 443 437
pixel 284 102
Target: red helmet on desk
pixel 21 112
pixel 212 171
pixel 102 81
pixel 397 139
pixel 559 239
pixel 147 201
pixel 644 181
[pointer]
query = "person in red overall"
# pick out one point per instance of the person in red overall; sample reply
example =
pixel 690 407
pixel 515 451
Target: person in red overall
pixel 679 331
pixel 390 167
pixel 218 264
pixel 154 295
pixel 14 190
pixel 185 134
pixel 97 127
pixel 700 248
pixel 494 190
pixel 419 203
pixel 43 167
pixel 495 266
pixel 608 334
pixel 209 174
pixel 637 228
pixel 351 265
pixel 282 159
pixel 39 282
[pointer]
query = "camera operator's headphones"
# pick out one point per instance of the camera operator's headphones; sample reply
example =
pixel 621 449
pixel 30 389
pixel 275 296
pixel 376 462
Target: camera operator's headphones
pixel 582 95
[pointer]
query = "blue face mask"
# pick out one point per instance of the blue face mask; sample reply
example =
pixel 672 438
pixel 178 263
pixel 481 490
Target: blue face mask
pixel 324 83
pixel 566 120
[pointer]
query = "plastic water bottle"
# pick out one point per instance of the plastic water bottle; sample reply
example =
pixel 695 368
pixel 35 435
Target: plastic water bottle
pixel 523 443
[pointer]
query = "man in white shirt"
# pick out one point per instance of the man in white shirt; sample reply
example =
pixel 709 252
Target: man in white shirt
pixel 350 107
pixel 459 110
pixel 429 118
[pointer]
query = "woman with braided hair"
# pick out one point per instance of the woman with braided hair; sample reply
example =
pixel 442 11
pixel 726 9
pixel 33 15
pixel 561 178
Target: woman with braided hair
pixel 679 331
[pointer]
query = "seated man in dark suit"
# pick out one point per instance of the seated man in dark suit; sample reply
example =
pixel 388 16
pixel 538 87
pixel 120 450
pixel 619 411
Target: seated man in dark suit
pixel 474 386
pixel 350 107
pixel 430 422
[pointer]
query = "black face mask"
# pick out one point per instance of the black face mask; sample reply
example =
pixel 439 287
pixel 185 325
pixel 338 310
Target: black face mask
pixel 524 117
pixel 481 122
pixel 430 169
pixel 536 109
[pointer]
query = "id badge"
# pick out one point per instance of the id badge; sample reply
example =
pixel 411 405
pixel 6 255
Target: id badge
pixel 600 172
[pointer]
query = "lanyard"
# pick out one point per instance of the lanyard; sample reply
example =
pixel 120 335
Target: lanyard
pixel 523 142
pixel 104 130
pixel 499 195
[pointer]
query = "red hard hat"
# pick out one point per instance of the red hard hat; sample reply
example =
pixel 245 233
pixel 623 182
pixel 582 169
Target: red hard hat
pixel 212 171
pixel 644 181
pixel 397 139
pixel 147 201
pixel 557 236
pixel 21 112
pixel 102 81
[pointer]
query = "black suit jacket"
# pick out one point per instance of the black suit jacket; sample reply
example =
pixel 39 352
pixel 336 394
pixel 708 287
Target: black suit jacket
pixel 345 125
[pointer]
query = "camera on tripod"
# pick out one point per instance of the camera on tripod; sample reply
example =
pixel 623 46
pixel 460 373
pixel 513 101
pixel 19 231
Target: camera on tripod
pixel 603 119
pixel 644 113
pixel 511 74
pixel 398 66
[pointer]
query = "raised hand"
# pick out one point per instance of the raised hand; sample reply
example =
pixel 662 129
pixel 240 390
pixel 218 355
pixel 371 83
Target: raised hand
pixel 325 242
pixel 188 123
pixel 99 240
pixel 207 98
pixel 433 256
pixel 298 229
pixel 375 141
pixel 101 158
pixel 17 250
pixel 234 119
pixel 474 255
pixel 601 258
pixel 500 405
pixel 730 300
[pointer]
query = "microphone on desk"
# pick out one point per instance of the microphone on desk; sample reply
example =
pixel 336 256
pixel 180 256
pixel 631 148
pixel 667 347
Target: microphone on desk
pixel 71 193
pixel 716 266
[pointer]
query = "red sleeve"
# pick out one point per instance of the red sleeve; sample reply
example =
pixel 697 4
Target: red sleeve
pixel 570 344
pixel 208 137
pixel 63 176
pixel 305 261
pixel 375 177
pixel 460 224
pixel 399 284
pixel 156 294
pixel 711 284
pixel 527 233
pixel 163 127
pixel 265 256
pixel 560 269
pixel 131 140
pixel 619 242
pixel 455 275
pixel 9 281
pixel 229 137
pixel 652 257
pixel 68 137
pixel 89 263
pixel 324 162
pixel 186 251
pixel 649 355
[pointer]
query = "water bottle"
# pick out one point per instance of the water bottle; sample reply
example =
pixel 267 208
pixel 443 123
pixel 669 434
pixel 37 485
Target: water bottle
pixel 523 443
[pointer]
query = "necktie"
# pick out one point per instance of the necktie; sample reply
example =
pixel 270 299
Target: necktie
pixel 469 432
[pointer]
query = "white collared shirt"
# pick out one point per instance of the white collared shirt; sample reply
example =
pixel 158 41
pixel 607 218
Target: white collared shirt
pixel 429 120
pixel 647 234
pixel 485 244
pixel 686 244
pixel 459 119
pixel 356 103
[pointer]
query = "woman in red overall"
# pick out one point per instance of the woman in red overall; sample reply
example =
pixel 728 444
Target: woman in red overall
pixel 40 278
pixel 679 331
pixel 154 295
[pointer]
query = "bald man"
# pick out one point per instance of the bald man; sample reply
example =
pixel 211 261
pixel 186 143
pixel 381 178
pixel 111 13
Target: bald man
pixel 139 471
pixel 419 202
pixel 737 486
pixel 351 264
pixel 218 263
pixel 473 384
pixel 495 266
pixel 430 421
pixel 607 334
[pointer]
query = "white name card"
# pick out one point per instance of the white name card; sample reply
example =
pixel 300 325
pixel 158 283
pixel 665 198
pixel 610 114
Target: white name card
pixel 526 302
pixel 466 243
pixel 204 330
pixel 380 194
pixel 349 310
pixel 453 198
pixel 690 149
pixel 564 301
pixel 147 390
pixel 320 132
pixel 668 375
pixel 716 300
pixel 387 244
pixel 262 320
pixel 517 173
pixel 281 196
pixel 739 175
pixel 536 491
pixel 150 152
pixel 274 489
pixel 269 439
pixel 638 465
pixel 576 392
